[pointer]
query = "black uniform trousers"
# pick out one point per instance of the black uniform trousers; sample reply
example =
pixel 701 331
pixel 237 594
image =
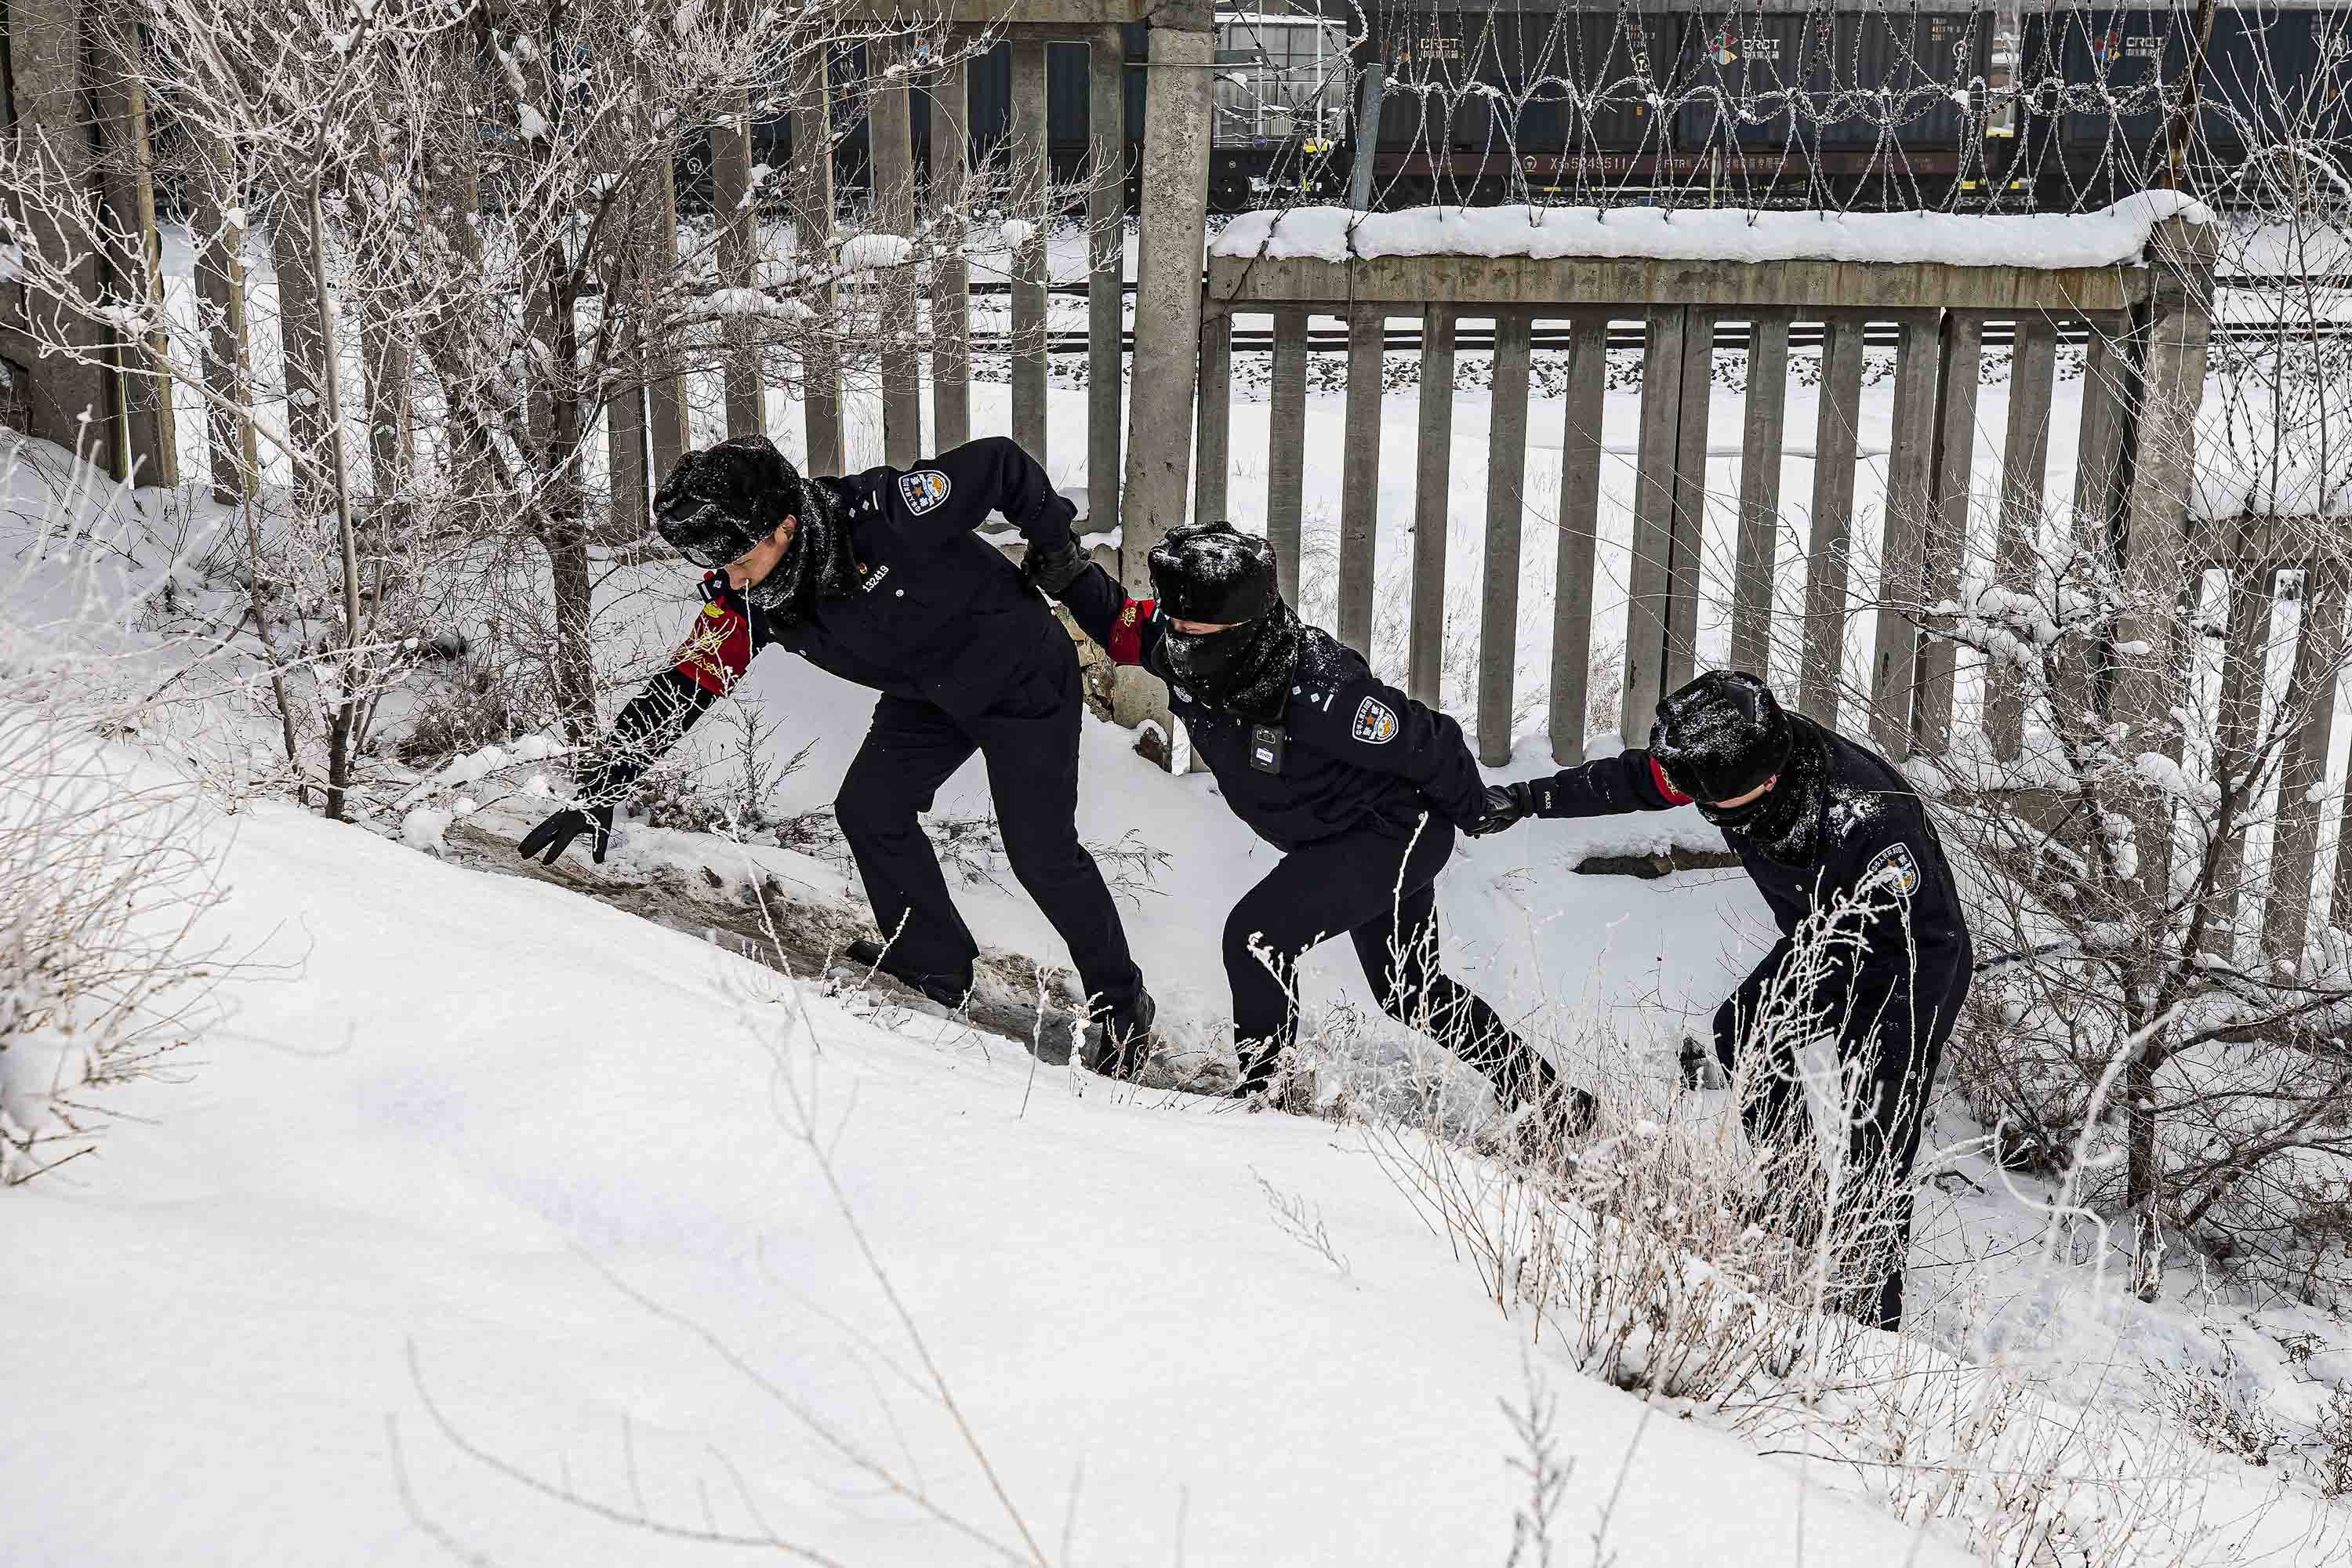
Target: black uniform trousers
pixel 1379 889
pixel 1899 1030
pixel 1029 739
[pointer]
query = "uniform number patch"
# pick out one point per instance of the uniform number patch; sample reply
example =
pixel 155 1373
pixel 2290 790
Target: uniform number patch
pixel 1894 868
pixel 925 490
pixel 1376 723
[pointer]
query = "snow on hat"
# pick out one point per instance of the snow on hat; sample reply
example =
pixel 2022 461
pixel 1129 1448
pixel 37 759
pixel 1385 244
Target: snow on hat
pixel 1214 572
pixel 1721 736
pixel 718 503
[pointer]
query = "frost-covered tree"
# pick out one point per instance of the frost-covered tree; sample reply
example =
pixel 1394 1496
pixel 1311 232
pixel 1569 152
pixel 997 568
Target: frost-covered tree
pixel 2169 1030
pixel 490 308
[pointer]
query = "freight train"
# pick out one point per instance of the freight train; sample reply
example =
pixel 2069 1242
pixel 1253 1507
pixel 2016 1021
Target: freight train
pixel 1896 103
pixel 1902 103
pixel 1280 91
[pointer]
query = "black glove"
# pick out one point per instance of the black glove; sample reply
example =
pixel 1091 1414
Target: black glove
pixel 1055 569
pixel 1505 805
pixel 556 834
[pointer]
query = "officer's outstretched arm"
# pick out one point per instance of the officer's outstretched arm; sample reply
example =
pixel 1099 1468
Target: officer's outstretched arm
pixel 718 650
pixel 1631 781
pixel 1125 628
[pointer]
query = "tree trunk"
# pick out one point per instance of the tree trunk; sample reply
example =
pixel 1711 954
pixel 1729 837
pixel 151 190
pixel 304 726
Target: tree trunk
pixel 301 321
pixel 343 738
pixel 2143 1182
pixel 575 669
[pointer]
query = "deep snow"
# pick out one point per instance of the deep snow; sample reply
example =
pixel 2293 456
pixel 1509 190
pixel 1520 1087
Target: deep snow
pixel 480 1116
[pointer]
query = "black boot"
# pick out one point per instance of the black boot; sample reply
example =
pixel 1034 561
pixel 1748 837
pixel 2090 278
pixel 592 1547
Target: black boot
pixel 948 991
pixel 1119 1039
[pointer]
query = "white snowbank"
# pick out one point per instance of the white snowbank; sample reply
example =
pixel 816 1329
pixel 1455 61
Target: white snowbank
pixel 2118 235
pixel 423 829
pixel 871 252
pixel 2274 442
pixel 475 1115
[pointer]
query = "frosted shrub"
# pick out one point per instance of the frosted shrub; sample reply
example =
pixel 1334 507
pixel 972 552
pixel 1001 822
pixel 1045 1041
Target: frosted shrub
pixel 99 881
pixel 1665 1255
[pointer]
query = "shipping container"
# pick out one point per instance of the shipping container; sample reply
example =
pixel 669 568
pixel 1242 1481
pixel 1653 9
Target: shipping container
pixel 1753 78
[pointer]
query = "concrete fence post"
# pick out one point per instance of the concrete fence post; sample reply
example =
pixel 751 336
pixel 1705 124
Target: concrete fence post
pixel 1184 47
pixel 812 189
pixel 889 128
pixel 1499 595
pixel 1029 175
pixel 1648 582
pixel 951 185
pixel 1286 458
pixel 69 404
pixel 2025 460
pixel 2303 769
pixel 135 257
pixel 2155 515
pixel 1765 422
pixel 232 445
pixel 1830 548
pixel 730 202
pixel 1433 504
pixel 1106 270
pixel 1580 509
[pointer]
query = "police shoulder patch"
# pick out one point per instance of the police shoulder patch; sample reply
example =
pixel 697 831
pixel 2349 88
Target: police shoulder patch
pixel 1375 722
pixel 925 490
pixel 1895 868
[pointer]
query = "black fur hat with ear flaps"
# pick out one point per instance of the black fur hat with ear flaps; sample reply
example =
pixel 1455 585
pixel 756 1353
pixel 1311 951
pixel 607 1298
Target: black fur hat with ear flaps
pixel 1721 736
pixel 717 504
pixel 1214 572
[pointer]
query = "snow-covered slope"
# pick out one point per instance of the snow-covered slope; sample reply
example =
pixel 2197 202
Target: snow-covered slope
pixel 539 1151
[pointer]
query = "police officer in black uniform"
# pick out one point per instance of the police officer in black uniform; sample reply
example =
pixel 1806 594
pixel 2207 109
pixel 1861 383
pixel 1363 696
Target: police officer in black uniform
pixel 1827 829
pixel 879 578
pixel 1359 786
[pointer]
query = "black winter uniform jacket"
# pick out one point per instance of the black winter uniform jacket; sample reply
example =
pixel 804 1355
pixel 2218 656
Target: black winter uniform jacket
pixel 938 615
pixel 1876 850
pixel 1350 752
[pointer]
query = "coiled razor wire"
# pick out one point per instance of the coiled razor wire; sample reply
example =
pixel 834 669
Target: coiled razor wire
pixel 1837 105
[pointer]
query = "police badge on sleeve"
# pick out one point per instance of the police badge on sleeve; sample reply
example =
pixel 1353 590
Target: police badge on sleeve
pixel 1895 868
pixel 1376 723
pixel 925 490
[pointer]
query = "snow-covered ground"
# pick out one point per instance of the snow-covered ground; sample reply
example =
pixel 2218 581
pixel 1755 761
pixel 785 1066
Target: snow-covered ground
pixel 489 1168
pixel 474 1192
pixel 472 1174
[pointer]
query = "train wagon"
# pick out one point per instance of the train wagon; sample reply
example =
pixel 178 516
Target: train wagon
pixel 1762 103
pixel 2102 88
pixel 989 118
pixel 1281 98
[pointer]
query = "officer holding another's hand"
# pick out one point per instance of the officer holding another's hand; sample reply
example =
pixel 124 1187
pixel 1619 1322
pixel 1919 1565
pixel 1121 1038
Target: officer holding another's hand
pixel 1874 945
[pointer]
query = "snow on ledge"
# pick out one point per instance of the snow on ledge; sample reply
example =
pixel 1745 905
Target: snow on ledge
pixel 2116 235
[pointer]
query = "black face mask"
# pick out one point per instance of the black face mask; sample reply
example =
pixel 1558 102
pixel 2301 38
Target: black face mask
pixel 1245 669
pixel 1206 660
pixel 1784 822
pixel 1737 816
